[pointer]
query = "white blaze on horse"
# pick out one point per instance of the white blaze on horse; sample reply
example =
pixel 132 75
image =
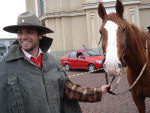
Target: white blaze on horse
pixel 124 42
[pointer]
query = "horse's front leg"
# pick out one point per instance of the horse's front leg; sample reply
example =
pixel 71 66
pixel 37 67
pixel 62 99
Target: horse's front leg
pixel 140 102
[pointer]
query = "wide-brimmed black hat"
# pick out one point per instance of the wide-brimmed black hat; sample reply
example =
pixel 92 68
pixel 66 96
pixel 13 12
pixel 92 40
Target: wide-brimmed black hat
pixel 27 19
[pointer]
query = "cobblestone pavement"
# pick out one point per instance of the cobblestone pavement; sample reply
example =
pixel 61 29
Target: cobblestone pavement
pixel 109 103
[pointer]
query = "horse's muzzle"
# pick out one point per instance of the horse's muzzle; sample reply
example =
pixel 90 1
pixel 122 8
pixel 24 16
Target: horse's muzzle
pixel 112 69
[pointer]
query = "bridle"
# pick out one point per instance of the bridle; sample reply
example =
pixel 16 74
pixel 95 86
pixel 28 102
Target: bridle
pixel 122 59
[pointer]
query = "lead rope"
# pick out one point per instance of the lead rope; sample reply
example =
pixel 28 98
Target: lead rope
pixel 136 78
pixel 119 78
pixel 142 68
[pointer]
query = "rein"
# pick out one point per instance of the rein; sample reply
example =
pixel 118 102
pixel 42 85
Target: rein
pixel 139 76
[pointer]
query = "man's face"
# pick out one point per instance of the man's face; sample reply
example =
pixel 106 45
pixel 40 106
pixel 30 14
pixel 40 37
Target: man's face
pixel 29 39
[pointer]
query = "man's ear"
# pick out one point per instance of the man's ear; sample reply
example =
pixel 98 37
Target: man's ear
pixel 41 35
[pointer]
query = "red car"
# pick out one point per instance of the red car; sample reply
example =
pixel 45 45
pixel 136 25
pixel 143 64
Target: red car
pixel 82 59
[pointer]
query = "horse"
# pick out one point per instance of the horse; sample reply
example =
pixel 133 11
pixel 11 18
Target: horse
pixel 124 43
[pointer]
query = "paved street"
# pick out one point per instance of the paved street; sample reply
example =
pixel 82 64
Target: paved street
pixel 109 103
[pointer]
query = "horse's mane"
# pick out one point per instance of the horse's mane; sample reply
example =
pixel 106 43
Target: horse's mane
pixel 137 37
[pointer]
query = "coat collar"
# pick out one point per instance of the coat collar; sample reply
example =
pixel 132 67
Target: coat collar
pixel 14 53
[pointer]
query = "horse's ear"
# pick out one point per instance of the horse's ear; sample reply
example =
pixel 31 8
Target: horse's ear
pixel 119 9
pixel 101 11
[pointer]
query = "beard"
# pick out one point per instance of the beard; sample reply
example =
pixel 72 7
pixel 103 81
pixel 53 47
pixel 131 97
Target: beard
pixel 29 45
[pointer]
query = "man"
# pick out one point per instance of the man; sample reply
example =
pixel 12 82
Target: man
pixel 31 79
pixel 83 47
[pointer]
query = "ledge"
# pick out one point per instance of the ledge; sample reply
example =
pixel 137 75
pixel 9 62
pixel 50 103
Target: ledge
pixel 144 6
pixel 62 14
pixel 90 6
pixel 108 4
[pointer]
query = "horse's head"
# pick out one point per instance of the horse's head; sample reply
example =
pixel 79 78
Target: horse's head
pixel 113 38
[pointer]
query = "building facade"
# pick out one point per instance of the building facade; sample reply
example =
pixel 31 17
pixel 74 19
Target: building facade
pixel 76 22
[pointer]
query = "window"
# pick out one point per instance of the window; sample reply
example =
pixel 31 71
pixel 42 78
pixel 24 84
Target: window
pixel 72 55
pixel 79 54
pixel 91 53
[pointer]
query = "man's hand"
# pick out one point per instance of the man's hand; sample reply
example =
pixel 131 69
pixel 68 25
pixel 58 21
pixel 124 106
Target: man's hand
pixel 104 89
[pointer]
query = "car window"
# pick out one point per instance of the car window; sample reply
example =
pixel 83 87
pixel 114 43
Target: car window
pixel 91 53
pixel 72 55
pixel 79 54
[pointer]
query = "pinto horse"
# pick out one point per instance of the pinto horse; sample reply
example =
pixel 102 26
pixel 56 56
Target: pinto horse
pixel 124 42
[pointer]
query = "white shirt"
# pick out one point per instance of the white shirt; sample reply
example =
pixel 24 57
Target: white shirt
pixel 29 55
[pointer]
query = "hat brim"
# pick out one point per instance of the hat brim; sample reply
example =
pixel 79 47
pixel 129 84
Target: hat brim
pixel 14 28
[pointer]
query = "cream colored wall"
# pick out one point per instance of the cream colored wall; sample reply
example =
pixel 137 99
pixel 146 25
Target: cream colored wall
pixel 145 18
pixel 65 5
pixel 56 24
pixel 76 5
pixel 144 14
pixel 53 6
pixel 92 1
pixel 132 14
pixel 30 6
pixel 93 25
pixel 79 32
pixel 145 1
pixel 69 32
pixel 35 8
pixel 76 22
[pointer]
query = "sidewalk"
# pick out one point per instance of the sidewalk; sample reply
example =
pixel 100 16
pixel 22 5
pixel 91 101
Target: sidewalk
pixel 109 103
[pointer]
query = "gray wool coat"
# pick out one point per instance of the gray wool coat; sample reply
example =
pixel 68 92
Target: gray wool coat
pixel 25 88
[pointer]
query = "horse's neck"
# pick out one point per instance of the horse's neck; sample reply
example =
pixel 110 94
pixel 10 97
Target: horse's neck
pixel 135 53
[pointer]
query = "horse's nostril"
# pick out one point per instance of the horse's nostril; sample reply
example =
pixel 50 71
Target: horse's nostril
pixel 119 65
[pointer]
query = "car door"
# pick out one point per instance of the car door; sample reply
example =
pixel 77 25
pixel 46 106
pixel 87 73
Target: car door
pixel 72 59
pixel 82 62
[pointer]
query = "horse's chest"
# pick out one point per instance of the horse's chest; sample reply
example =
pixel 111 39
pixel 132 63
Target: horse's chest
pixel 142 88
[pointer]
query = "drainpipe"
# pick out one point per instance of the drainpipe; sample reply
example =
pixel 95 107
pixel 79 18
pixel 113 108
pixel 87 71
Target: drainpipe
pixel 36 7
